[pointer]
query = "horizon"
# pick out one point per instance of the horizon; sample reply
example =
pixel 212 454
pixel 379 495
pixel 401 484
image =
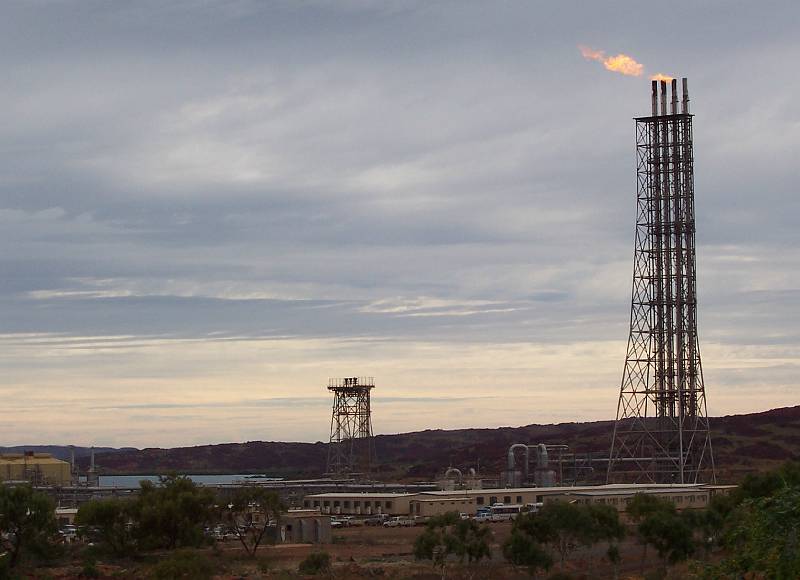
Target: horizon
pixel 210 209
pixel 214 443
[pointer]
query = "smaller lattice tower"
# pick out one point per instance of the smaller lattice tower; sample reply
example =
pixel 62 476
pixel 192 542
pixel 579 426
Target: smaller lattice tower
pixel 351 450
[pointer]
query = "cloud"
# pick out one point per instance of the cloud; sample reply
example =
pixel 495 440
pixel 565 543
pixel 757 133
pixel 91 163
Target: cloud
pixel 209 204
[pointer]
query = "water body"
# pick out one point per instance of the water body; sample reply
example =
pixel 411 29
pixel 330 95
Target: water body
pixel 133 480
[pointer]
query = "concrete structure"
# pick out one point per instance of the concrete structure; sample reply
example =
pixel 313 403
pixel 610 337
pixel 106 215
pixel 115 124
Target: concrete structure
pixel 306 527
pixel 469 500
pixel 35 468
pixel 435 506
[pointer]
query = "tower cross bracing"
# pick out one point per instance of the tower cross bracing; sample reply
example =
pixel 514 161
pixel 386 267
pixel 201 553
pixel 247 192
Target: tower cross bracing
pixel 351 448
pixel 661 433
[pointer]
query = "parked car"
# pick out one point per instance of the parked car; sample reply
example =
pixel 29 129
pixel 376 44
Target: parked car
pixel 420 520
pixel 483 517
pixel 398 521
pixel 375 520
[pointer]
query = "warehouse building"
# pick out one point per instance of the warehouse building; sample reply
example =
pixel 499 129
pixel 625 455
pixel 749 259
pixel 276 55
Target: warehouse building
pixel 470 500
pixel 393 504
pixel 35 468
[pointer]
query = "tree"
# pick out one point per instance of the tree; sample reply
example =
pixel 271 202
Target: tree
pixel 762 540
pixel 522 549
pixel 448 535
pixel 560 525
pixel 659 524
pixel 171 514
pixel 709 524
pixel 607 527
pixel 108 522
pixel 250 513
pixel 27 519
pixel 565 527
pixel 767 484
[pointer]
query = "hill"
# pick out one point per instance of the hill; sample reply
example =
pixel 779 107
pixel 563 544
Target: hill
pixel 742 444
pixel 63 451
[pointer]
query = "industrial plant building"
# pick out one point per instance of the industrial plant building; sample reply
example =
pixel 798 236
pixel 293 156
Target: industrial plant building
pixel 468 501
pixel 35 468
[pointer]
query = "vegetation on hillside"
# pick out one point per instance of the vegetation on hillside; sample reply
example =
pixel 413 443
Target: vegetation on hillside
pixel 742 444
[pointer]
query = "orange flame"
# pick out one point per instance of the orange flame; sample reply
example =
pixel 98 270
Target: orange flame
pixel 660 77
pixel 621 63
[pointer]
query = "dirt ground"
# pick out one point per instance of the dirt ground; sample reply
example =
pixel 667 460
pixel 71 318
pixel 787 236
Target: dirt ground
pixel 368 552
pixel 377 552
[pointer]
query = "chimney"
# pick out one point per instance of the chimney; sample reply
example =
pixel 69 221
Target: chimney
pixel 663 97
pixel 685 103
pixel 674 93
pixel 654 98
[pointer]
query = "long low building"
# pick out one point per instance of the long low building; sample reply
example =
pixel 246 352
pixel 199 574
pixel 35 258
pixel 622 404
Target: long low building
pixel 470 500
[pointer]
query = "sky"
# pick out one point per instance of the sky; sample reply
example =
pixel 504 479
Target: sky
pixel 207 209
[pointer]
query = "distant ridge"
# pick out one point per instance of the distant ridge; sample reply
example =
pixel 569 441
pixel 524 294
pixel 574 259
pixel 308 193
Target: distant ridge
pixel 63 451
pixel 742 444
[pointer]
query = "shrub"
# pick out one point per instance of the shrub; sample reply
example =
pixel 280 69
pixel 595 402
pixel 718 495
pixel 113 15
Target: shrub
pixel 316 563
pixel 90 570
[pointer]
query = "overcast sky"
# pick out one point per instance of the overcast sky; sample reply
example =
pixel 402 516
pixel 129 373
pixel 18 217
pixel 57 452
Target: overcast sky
pixel 209 208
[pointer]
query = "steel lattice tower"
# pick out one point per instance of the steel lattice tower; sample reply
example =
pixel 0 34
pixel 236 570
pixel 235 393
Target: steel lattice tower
pixel 351 448
pixel 661 433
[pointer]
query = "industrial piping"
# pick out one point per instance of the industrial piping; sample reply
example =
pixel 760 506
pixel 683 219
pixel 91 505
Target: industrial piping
pixel 511 462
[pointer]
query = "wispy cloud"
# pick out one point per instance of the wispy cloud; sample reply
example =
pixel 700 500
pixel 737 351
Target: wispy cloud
pixel 207 210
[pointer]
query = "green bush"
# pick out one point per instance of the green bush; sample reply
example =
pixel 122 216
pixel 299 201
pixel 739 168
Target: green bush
pixel 184 564
pixel 316 563
pixel 90 570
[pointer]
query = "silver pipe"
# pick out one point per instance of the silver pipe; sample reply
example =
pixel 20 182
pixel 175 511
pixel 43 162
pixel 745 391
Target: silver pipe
pixel 452 470
pixel 511 450
pixel 541 456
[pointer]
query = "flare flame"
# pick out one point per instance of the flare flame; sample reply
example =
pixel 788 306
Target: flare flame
pixel 660 77
pixel 621 63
